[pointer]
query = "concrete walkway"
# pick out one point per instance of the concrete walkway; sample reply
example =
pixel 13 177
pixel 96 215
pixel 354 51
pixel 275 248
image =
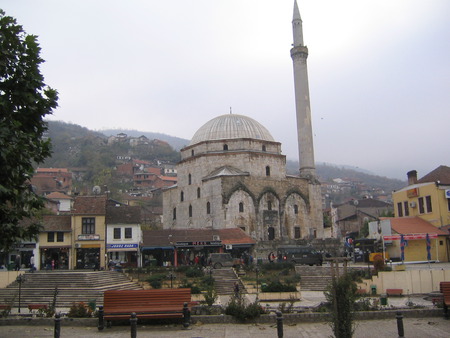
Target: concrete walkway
pixel 430 327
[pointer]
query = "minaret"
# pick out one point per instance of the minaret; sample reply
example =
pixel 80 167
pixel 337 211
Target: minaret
pixel 299 54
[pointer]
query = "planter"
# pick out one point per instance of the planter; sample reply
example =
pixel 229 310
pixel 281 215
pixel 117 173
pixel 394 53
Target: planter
pixel 276 296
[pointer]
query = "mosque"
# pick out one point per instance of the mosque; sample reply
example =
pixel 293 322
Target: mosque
pixel 233 174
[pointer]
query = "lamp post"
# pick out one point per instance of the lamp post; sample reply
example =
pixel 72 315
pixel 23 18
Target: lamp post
pixel 20 279
pixel 171 276
pixel 257 281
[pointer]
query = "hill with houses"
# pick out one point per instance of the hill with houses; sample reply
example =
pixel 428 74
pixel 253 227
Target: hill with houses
pixel 102 156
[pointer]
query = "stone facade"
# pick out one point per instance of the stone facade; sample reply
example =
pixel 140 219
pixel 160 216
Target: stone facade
pixel 242 182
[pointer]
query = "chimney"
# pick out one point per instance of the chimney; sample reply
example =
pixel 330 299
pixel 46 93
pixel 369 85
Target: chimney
pixel 412 177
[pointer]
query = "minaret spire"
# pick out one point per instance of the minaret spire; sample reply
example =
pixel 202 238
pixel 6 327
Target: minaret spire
pixel 297 27
pixel 299 54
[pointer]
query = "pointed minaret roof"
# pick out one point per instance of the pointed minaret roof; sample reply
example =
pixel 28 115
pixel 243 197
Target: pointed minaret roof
pixel 297 26
pixel 296 12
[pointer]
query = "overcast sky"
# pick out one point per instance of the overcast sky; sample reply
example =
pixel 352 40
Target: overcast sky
pixel 379 71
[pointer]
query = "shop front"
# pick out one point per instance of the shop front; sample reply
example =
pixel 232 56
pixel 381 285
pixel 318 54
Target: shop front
pixel 125 255
pixel 20 256
pixel 88 251
pixel 192 246
pixel 88 257
pixel 54 258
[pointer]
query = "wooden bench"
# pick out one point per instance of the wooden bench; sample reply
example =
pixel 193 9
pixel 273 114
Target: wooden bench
pixel 445 290
pixel 394 292
pixel 361 292
pixel 5 307
pixel 38 307
pixel 147 304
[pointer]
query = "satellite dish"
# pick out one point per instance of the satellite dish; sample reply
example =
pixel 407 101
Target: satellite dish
pixel 96 190
pixel 355 203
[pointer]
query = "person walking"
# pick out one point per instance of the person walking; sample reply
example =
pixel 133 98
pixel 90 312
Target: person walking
pixel 17 263
pixel 236 289
pixel 32 268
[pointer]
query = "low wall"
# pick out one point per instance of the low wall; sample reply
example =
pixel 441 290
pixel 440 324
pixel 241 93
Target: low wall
pixel 226 319
pixel 411 281
pixel 275 296
pixel 7 277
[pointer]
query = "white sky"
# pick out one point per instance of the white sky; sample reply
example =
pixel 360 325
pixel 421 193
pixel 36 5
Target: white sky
pixel 379 71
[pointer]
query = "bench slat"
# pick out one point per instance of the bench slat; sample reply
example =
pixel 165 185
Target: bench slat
pixel 156 303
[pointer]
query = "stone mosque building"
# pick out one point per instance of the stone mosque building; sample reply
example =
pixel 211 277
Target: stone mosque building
pixel 233 174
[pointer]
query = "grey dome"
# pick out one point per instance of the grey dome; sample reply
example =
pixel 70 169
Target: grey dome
pixel 231 126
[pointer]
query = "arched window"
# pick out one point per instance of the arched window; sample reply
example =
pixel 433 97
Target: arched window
pixel 208 208
pixel 198 192
pixel 295 209
pixel 267 171
pixel 269 205
pixel 189 179
pixel 182 196
pixel 264 147
pixel 192 152
pixel 241 207
pixel 225 147
pixel 190 210
pixel 174 213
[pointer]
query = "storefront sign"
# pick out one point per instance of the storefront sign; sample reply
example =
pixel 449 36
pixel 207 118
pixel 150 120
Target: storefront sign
pixel 121 246
pixel 200 243
pixel 412 192
pixel 409 237
pixel 26 246
pixel 88 237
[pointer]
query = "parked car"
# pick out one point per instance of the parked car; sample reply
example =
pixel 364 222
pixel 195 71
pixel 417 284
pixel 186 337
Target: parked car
pixel 301 255
pixel 219 260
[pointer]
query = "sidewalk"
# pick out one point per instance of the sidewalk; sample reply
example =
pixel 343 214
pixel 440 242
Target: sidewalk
pixel 428 327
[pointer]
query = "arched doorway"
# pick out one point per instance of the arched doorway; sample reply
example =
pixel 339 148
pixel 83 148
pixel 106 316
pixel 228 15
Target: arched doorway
pixel 271 233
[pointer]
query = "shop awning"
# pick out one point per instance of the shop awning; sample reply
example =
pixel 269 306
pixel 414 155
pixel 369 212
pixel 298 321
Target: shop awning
pixel 55 247
pixel 121 249
pixel 157 248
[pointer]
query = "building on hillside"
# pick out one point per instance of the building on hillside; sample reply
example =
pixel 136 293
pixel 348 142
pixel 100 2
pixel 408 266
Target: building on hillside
pixel 348 218
pixel 169 170
pixel 48 180
pixel 64 201
pixel 233 174
pixel 414 231
pixel 427 198
pixel 89 231
pixel 55 243
pixel 123 235
pixel 174 247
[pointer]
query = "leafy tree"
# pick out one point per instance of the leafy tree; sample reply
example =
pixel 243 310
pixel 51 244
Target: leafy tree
pixel 24 101
pixel 341 295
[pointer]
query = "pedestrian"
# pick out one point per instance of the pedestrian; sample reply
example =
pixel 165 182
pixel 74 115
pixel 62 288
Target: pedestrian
pixel 236 289
pixel 270 257
pixel 17 263
pixel 32 268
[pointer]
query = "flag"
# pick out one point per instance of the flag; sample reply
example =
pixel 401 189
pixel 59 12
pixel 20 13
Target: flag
pixel 428 248
pixel 402 247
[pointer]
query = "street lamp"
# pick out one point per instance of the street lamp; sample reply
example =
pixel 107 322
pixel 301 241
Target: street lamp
pixel 20 279
pixel 172 276
pixel 257 281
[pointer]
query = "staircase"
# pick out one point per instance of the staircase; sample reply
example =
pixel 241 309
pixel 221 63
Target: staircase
pixel 313 278
pixel 224 280
pixel 72 286
pixel 316 278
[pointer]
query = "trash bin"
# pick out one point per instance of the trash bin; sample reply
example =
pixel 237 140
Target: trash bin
pixel 383 299
pixel 374 289
pixel 92 303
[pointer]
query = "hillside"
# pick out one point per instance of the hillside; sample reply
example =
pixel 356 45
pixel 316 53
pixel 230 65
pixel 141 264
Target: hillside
pixel 76 146
pixel 176 142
